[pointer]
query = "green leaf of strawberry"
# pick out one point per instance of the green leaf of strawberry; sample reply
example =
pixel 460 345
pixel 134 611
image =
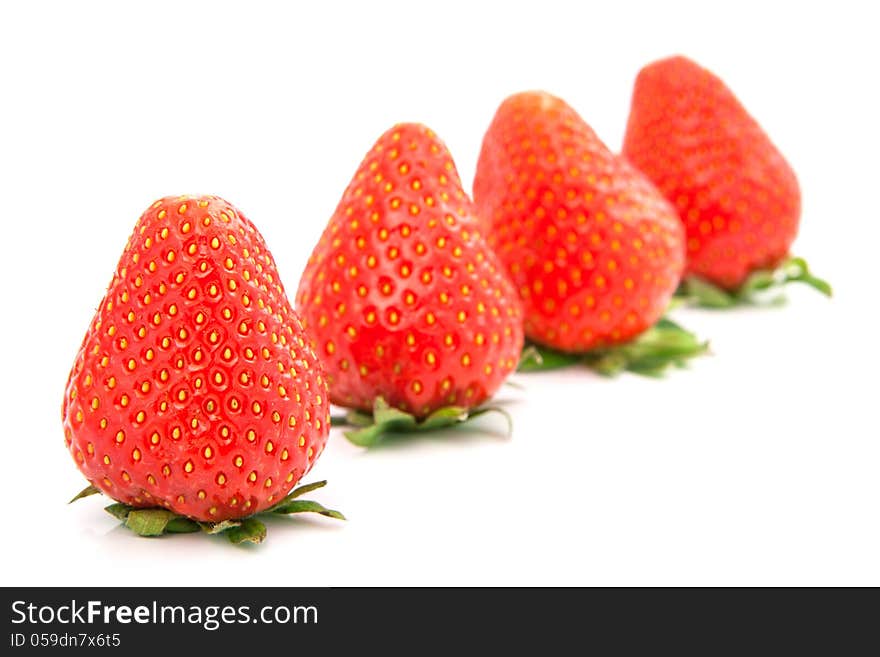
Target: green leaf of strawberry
pixel 85 492
pixel 663 345
pixel 299 491
pixel 539 358
pixel 307 506
pixel 291 504
pixel 250 530
pixel 181 525
pixel 386 420
pixel 700 292
pixel 651 354
pixel 693 290
pixel 218 527
pixel 118 510
pixel 149 522
pixel 155 521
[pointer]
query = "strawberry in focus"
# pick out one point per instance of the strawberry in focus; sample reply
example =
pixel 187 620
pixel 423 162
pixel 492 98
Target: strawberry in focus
pixel 404 300
pixel 593 248
pixel 737 196
pixel 195 388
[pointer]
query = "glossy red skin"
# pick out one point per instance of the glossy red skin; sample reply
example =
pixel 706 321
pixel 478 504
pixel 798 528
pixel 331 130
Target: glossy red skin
pixel 204 372
pixel 594 249
pixel 402 296
pixel 737 196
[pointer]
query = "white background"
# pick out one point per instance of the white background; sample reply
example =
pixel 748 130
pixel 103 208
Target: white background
pixel 758 465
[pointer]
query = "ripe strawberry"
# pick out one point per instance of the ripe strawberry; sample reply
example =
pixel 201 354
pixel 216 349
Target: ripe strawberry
pixel 404 300
pixel 595 251
pixel 195 388
pixel 737 196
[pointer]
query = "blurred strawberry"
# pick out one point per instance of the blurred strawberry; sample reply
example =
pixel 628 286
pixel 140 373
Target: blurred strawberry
pixel 593 248
pixel 737 196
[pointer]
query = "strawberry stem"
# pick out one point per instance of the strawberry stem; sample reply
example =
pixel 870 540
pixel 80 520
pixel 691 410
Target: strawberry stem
pixel 371 429
pixel 663 345
pixel 700 292
pixel 157 521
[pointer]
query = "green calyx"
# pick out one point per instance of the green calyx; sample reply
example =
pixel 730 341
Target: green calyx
pixel 157 521
pixel 664 345
pixel 370 428
pixel 699 292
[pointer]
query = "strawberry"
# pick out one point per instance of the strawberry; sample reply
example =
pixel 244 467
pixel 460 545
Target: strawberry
pixel 402 297
pixel 594 249
pixel 737 196
pixel 195 389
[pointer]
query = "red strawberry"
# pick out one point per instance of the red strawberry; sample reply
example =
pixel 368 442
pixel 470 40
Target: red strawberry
pixel 595 251
pixel 404 300
pixel 737 196
pixel 195 388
